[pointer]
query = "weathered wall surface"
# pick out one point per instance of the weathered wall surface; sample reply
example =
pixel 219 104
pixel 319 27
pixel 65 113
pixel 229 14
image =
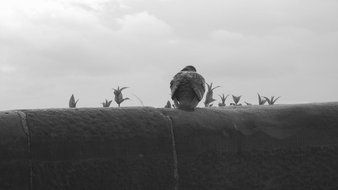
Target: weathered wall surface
pixel 249 147
pixel 87 149
pixel 257 147
pixel 14 153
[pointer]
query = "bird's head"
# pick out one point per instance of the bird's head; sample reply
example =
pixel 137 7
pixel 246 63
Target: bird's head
pixel 189 68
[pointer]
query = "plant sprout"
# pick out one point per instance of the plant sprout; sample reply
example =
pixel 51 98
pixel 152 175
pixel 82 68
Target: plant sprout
pixel 107 103
pixel 209 96
pixel 248 104
pixel 272 100
pixel 168 105
pixel 261 101
pixel 72 102
pixel 119 96
pixel 223 98
pixel 236 99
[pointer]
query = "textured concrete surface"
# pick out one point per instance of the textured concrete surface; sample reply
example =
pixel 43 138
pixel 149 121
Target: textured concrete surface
pixel 121 148
pixel 257 147
pixel 14 153
pixel 303 168
pixel 249 147
pixel 255 127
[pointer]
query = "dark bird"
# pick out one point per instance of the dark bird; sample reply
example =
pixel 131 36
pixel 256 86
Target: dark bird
pixel 187 88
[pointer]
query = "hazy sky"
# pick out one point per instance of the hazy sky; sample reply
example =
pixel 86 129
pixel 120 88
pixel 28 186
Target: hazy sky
pixel 50 49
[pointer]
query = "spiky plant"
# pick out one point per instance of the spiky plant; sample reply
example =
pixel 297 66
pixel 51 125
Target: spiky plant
pixel 119 96
pixel 223 98
pixel 107 103
pixel 261 101
pixel 72 102
pixel 168 105
pixel 209 96
pixel 248 104
pixel 236 99
pixel 272 100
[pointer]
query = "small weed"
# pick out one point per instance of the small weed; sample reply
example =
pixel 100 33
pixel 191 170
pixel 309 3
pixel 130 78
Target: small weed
pixel 168 105
pixel 272 100
pixel 119 96
pixel 223 98
pixel 107 103
pixel 248 104
pixel 209 96
pixel 72 102
pixel 236 100
pixel 261 101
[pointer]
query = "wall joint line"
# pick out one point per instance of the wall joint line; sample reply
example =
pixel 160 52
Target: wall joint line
pixel 175 160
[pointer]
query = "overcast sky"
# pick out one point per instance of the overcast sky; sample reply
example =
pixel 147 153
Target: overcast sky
pixel 50 49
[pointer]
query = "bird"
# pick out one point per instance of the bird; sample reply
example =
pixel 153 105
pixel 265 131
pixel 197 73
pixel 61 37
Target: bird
pixel 187 88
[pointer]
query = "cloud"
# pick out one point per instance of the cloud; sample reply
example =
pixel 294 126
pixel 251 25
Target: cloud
pixel 50 49
pixel 220 35
pixel 63 38
pixel 143 25
pixel 6 69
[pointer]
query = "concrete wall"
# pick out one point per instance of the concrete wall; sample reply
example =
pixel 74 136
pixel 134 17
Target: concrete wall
pixel 249 147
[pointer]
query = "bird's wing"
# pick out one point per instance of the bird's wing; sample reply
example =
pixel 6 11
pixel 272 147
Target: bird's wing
pixel 175 83
pixel 198 85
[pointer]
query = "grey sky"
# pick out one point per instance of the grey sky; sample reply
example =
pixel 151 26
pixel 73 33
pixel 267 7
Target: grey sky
pixel 52 49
